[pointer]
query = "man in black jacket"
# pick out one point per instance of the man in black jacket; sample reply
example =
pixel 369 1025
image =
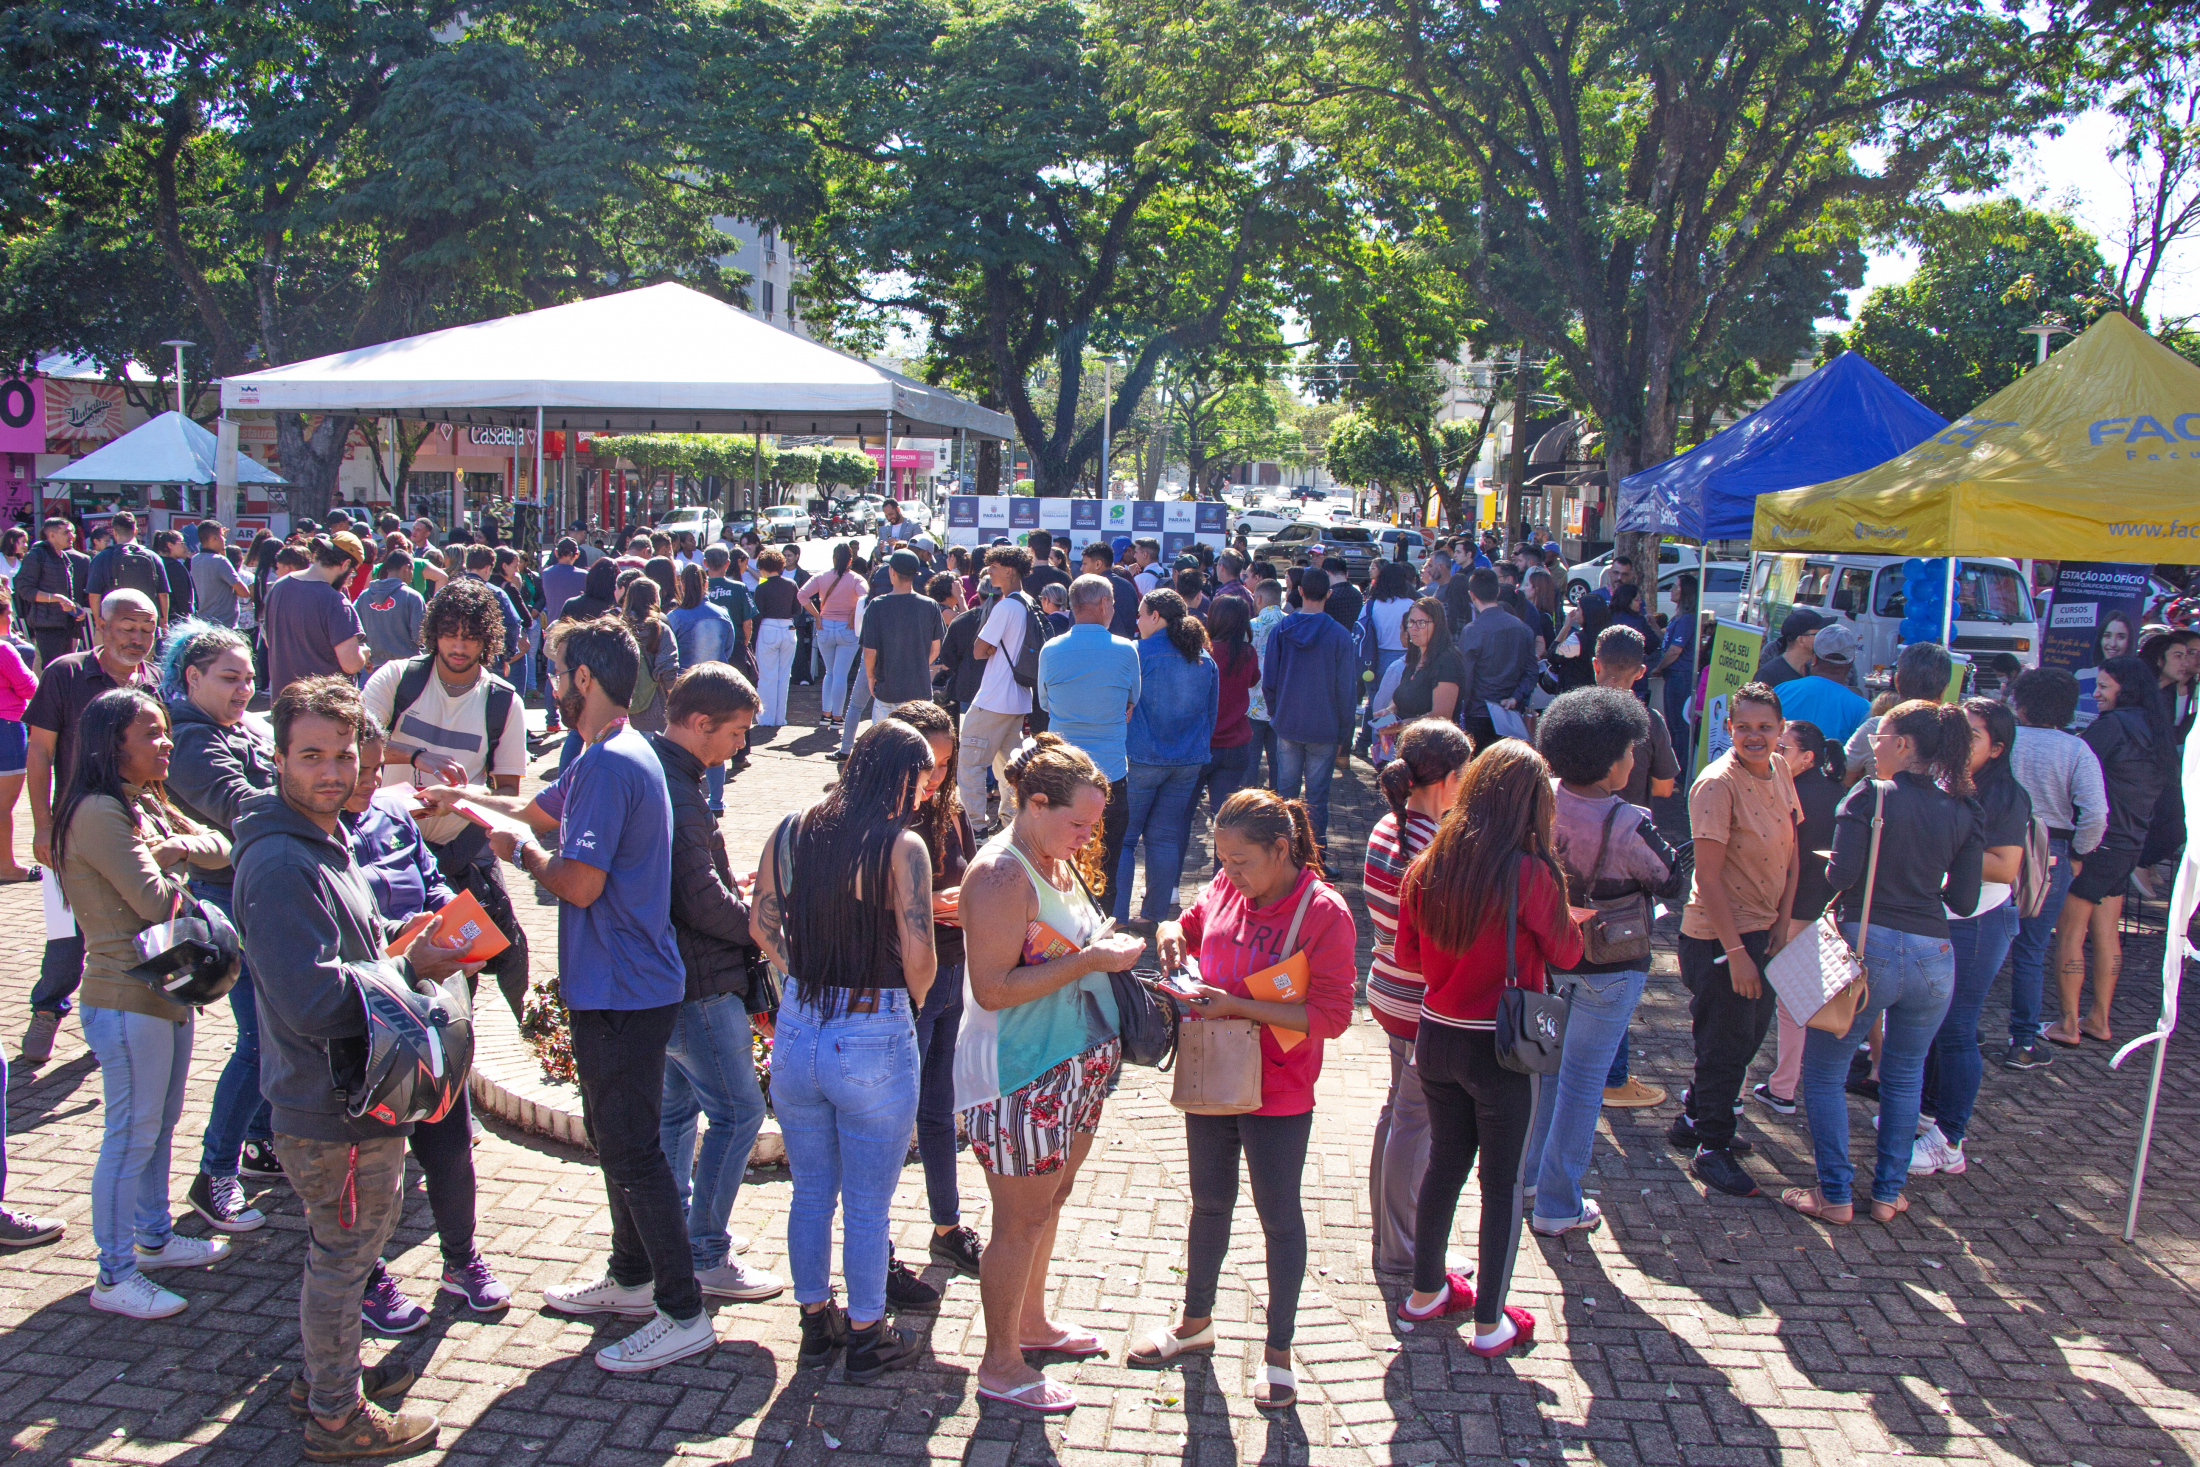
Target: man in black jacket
pixel 710 1070
pixel 51 587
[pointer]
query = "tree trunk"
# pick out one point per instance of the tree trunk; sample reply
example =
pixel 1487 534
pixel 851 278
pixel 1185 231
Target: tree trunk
pixel 987 477
pixel 311 460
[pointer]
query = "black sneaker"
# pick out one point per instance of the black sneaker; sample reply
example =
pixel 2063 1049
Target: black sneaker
pixel 1722 1172
pixel 823 1331
pixel 1786 1106
pixel 2033 1056
pixel 959 1250
pixel 874 1351
pixel 221 1202
pixel 904 1290
pixel 22 1230
pixel 259 1160
pixel 1681 1136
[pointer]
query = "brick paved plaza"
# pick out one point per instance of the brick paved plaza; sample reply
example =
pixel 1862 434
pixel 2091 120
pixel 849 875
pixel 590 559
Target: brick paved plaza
pixel 2003 1319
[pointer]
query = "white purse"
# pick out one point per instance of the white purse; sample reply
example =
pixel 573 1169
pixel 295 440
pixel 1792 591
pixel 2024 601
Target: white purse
pixel 1821 981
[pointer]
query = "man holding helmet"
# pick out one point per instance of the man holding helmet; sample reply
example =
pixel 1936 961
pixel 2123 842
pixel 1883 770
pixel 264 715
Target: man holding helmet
pixel 313 936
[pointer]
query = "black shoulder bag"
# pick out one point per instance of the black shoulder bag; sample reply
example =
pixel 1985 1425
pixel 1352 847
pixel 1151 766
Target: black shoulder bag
pixel 1531 1027
pixel 1145 1018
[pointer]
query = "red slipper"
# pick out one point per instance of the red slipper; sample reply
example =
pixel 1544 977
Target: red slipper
pixel 1460 1300
pixel 1523 1334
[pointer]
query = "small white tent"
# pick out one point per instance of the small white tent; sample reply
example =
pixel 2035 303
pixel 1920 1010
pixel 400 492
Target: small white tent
pixel 662 358
pixel 169 449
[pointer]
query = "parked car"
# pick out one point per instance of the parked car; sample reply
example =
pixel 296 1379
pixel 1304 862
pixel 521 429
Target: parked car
pixel 782 524
pixel 1294 545
pixel 699 520
pixel 1994 607
pixel 1264 521
pixel 1389 537
pixel 1719 587
pixel 1589 575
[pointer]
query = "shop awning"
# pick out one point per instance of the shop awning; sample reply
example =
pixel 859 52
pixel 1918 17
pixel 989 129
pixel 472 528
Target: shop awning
pixel 1841 419
pixel 169 449
pixel 663 359
pixel 2093 455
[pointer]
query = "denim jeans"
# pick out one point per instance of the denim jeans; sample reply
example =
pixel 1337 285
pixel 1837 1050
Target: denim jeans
pixel 1911 980
pixel 2034 944
pixel 1952 1075
pixel 714 781
pixel 1162 799
pixel 238 1113
pixel 1307 767
pixel 1228 771
pixel 60 970
pixel 938 1023
pixel 861 705
pixel 710 1071
pixel 1365 739
pixel 836 643
pixel 775 648
pixel 619 1055
pixel 845 1091
pixel 1264 746
pixel 1564 1131
pixel 143 1063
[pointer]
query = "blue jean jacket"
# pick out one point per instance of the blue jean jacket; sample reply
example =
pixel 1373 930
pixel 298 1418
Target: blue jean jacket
pixel 1173 721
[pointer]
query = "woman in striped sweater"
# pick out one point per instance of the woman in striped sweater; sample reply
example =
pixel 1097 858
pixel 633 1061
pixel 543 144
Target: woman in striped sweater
pixel 1420 785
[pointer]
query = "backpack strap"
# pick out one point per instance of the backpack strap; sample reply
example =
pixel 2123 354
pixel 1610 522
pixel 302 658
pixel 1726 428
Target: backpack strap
pixel 413 681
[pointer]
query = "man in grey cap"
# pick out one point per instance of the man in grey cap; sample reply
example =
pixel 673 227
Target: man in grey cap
pixel 1825 697
pixel 1790 657
pixel 901 636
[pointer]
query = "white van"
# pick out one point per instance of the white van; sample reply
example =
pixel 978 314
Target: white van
pixel 1994 610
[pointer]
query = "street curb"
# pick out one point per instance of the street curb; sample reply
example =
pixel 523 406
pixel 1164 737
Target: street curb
pixel 507 1082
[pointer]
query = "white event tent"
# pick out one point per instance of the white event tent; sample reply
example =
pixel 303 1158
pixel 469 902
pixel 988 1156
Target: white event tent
pixel 661 358
pixel 169 449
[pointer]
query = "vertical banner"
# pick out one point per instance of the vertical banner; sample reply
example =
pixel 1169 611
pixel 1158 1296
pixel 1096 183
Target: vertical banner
pixel 1733 662
pixel 1023 514
pixel 2094 617
pixel 1959 672
pixel 1084 518
pixel 1115 517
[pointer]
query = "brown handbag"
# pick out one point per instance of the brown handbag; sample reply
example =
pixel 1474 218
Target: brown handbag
pixel 1218 1060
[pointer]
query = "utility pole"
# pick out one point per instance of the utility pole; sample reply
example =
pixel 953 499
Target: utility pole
pixel 1516 477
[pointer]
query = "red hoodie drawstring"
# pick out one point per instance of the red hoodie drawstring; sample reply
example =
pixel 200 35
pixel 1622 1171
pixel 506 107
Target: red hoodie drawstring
pixel 347 1198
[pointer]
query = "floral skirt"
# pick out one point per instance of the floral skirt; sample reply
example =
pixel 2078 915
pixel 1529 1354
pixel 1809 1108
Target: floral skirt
pixel 1027 1132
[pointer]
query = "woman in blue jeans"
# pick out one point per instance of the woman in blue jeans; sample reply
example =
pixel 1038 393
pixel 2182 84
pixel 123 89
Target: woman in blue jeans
pixel 1169 742
pixel 220 761
pixel 844 906
pixel 1607 848
pixel 1981 941
pixel 946 833
pixel 1931 852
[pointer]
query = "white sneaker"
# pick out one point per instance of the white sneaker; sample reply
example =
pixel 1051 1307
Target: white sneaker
pixel 734 1279
pixel 1952 1161
pixel 138 1297
pixel 602 1297
pixel 1932 1153
pixel 1924 1157
pixel 659 1342
pixel 182 1252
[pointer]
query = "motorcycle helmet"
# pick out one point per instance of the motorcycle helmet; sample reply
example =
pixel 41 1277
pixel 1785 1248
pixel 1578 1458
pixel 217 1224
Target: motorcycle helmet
pixel 193 958
pixel 419 1045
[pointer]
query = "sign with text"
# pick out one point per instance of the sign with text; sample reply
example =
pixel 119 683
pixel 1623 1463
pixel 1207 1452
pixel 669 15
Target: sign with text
pixel 976 519
pixel 2094 616
pixel 1735 649
pixel 23 415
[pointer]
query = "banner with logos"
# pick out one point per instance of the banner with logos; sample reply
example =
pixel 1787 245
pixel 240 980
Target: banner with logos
pixel 976 519
pixel 2094 616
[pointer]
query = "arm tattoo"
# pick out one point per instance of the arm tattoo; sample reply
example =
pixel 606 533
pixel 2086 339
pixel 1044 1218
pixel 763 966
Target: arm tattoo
pixel 916 878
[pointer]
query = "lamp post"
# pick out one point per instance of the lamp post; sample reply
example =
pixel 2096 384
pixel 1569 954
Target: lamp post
pixel 179 346
pixel 2047 326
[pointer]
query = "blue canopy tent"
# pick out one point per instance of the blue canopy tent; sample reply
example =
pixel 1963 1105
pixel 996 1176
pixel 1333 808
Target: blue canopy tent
pixel 1845 417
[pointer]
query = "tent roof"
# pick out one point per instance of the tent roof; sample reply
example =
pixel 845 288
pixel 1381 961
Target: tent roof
pixel 169 449
pixel 2094 455
pixel 662 358
pixel 1841 419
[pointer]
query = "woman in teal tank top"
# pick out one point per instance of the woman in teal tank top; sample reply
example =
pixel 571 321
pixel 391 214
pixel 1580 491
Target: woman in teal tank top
pixel 1038 1049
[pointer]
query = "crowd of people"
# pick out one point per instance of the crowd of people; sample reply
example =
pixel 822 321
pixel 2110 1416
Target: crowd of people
pixel 943 946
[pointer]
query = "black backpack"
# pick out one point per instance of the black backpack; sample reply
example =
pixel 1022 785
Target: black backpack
pixel 413 681
pixel 1026 666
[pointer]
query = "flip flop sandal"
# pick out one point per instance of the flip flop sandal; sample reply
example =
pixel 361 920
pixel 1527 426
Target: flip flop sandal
pixel 1808 1202
pixel 1044 1396
pixel 1163 1345
pixel 1894 1209
pixel 1523 1335
pixel 1282 1388
pixel 1077 1344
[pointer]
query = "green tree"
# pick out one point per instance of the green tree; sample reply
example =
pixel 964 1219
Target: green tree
pixel 1613 181
pixel 1371 454
pixel 1950 334
pixel 284 178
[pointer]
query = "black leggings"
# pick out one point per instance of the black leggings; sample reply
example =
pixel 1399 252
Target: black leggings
pixel 445 1150
pixel 1474 1105
pixel 1276 1148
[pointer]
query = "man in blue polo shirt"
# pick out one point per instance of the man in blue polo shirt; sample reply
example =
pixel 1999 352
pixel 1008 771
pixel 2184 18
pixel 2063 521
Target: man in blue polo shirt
pixel 1825 697
pixel 1088 682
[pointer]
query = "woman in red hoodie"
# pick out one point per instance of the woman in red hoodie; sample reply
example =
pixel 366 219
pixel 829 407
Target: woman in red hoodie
pixel 1493 848
pixel 1269 902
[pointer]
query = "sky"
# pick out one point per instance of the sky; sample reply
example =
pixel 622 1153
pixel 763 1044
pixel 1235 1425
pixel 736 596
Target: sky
pixel 2072 172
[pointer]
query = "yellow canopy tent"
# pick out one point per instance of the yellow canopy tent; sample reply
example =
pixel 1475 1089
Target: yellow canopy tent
pixel 2093 455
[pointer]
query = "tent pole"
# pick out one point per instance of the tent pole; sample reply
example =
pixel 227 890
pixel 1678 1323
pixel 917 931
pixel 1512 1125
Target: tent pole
pixel 1948 609
pixel 2146 1136
pixel 537 485
pixel 887 460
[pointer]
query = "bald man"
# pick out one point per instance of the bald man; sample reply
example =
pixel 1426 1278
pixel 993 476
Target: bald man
pixel 126 628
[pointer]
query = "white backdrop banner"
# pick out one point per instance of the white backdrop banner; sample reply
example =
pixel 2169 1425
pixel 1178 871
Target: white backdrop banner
pixel 977 519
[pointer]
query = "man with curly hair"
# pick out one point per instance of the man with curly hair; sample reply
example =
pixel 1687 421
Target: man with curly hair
pixel 453 722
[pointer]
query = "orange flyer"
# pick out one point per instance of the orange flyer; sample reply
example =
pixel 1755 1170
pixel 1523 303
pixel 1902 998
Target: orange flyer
pixel 462 915
pixel 1286 982
pixel 1042 944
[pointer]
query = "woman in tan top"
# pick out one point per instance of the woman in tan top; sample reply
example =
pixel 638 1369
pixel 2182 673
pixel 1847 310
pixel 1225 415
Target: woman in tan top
pixel 120 849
